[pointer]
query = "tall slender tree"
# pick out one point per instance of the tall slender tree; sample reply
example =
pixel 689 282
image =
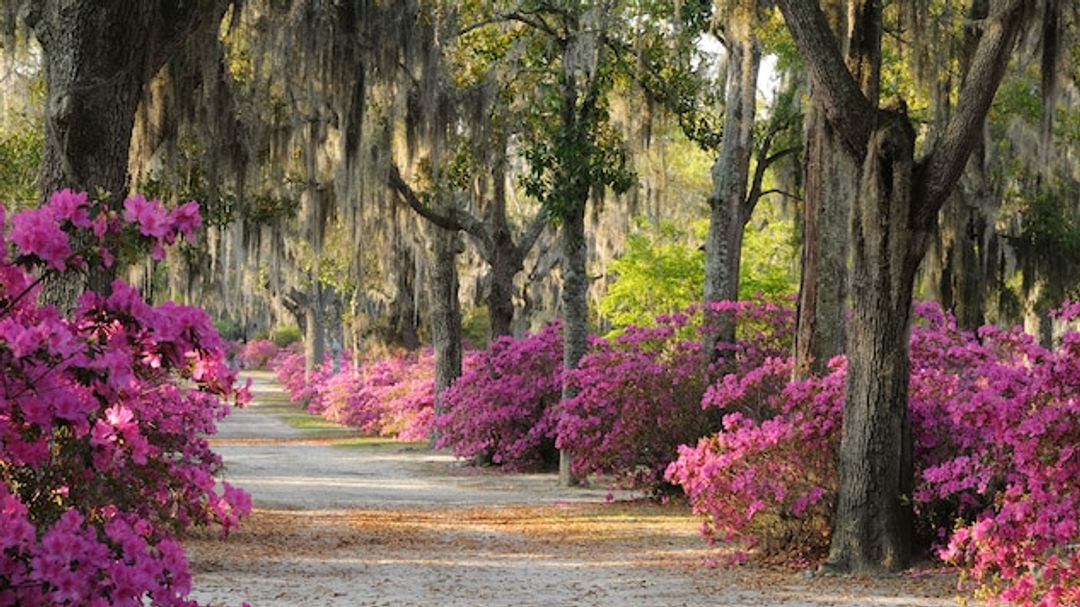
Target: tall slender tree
pixel 893 219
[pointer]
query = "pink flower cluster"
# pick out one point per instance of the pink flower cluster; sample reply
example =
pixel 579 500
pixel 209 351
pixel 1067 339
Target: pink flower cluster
pixel 996 424
pixel 258 354
pixel 996 429
pixel 639 393
pixel 103 419
pixel 42 233
pixel 503 409
pixel 388 396
pixel 767 477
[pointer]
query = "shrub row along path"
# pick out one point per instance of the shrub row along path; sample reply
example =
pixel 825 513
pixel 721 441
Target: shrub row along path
pixel 341 520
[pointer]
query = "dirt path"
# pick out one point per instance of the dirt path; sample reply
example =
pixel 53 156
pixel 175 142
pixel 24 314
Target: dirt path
pixel 342 521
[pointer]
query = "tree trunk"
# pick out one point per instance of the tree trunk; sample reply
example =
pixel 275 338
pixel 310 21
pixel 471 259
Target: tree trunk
pixel 98 57
pixel 314 330
pixel 505 263
pixel 892 221
pixel 872 528
pixel 830 185
pixel 574 309
pixel 728 212
pixel 445 311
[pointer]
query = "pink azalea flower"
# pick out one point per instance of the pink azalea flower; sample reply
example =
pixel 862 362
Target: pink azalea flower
pixel 70 206
pixel 186 219
pixel 35 232
pixel 150 215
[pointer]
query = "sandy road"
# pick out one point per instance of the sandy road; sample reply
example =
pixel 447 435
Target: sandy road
pixel 399 525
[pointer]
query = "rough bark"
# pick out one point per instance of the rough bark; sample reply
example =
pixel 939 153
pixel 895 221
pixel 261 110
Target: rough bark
pixel 445 311
pixel 872 526
pixel 98 57
pixel 728 205
pixel 893 218
pixel 831 183
pixel 574 300
pixel 829 187
pixel 314 330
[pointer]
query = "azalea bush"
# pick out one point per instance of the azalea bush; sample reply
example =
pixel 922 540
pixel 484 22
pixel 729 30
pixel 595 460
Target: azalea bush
pixel 103 415
pixel 503 409
pixel 639 393
pixel 997 433
pixel 390 395
pixel 767 480
pixel 996 429
pixel 258 354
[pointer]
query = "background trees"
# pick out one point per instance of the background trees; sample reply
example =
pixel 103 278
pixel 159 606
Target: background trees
pixel 303 125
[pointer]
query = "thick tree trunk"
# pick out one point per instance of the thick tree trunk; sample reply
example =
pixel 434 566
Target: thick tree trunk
pixel 98 56
pixel 872 528
pixel 728 211
pixel 963 281
pixel 445 311
pixel 574 308
pixel 892 221
pixel 830 186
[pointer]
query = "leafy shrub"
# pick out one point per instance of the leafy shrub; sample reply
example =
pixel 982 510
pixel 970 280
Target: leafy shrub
pixel 392 395
pixel 502 409
pixel 286 336
pixel 767 478
pixel 103 417
pixel 997 429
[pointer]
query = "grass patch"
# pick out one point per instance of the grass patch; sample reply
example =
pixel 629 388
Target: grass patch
pixel 307 421
pixel 379 443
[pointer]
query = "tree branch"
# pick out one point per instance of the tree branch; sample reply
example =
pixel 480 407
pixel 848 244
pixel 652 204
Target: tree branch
pixel 529 18
pixel 846 107
pixel 528 239
pixel 763 165
pixel 783 193
pixel 940 169
pixel 409 196
pixel 453 219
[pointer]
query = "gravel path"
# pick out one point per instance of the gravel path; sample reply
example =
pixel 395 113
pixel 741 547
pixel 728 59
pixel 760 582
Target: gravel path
pixel 398 525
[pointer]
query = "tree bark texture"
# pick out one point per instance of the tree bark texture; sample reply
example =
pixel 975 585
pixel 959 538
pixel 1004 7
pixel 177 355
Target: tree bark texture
pixel 892 220
pixel 820 332
pixel 445 310
pixel 314 329
pixel 574 308
pixel 98 57
pixel 728 205
pixel 872 527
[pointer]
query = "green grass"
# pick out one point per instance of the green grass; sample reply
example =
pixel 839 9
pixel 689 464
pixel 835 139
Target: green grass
pixel 378 443
pixel 306 421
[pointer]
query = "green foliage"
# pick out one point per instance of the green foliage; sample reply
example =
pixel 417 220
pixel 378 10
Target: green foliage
pixel 21 146
pixel 229 329
pixel 1018 97
pixel 769 257
pixel 670 64
pixel 475 327
pixel 662 272
pixel 285 336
